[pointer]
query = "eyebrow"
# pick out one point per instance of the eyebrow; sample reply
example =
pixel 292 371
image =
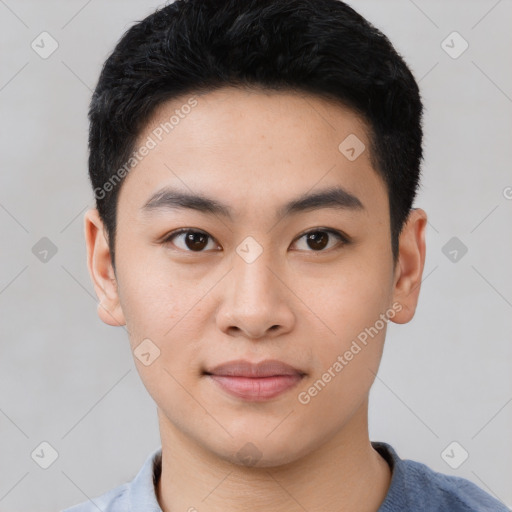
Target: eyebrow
pixel 172 199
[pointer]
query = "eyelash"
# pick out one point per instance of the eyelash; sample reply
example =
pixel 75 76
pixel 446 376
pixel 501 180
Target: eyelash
pixel 340 236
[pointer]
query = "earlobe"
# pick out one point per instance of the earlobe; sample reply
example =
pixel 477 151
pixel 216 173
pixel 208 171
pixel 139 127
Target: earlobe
pixel 101 270
pixel 412 251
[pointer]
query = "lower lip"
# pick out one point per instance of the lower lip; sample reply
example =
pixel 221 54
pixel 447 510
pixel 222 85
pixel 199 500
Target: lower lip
pixel 256 389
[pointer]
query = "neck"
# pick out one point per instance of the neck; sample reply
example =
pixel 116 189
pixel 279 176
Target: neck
pixel 345 474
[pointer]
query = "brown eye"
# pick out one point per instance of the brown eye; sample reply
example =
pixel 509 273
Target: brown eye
pixel 189 240
pixel 319 239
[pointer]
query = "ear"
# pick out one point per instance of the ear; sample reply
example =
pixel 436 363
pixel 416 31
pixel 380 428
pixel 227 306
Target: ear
pixel 409 268
pixel 101 270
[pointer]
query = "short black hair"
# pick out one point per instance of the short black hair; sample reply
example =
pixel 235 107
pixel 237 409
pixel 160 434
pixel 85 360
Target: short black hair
pixel 321 47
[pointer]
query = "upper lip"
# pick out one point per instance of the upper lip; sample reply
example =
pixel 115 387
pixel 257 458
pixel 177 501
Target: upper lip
pixel 242 368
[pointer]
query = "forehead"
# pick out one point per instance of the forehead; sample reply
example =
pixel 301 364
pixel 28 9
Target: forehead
pixel 256 145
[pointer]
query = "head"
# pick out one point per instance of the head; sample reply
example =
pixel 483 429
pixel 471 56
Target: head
pixel 288 135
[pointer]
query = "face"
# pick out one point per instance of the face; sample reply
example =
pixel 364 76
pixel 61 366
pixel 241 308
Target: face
pixel 255 271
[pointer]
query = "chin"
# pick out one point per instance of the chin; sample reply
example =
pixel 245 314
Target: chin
pixel 260 452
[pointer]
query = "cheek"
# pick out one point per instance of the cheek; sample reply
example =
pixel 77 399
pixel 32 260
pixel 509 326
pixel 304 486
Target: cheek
pixel 152 299
pixel 351 300
pixel 343 378
pixel 159 306
pixel 349 348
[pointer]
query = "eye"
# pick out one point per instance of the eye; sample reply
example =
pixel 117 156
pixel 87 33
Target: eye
pixel 192 239
pixel 318 239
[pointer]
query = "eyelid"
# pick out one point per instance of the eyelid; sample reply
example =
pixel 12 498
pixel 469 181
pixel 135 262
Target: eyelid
pixel 170 236
pixel 340 235
pixel 344 239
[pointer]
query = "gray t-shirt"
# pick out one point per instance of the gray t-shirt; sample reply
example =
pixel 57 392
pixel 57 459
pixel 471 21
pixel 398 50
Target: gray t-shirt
pixel 414 487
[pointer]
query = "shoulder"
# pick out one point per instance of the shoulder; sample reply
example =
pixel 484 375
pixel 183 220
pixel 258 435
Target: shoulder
pixel 137 495
pixel 114 500
pixel 450 491
pixel 414 486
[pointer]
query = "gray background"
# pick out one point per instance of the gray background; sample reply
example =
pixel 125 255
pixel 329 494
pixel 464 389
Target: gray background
pixel 69 380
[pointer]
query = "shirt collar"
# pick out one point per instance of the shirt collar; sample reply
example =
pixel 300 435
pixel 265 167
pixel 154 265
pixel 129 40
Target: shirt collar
pixel 142 490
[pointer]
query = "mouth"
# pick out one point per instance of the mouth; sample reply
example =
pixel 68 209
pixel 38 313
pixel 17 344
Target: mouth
pixel 255 382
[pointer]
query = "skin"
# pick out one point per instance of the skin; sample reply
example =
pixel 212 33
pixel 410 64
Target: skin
pixel 254 151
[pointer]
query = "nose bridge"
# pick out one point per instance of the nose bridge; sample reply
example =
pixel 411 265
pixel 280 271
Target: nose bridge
pixel 255 302
pixel 253 278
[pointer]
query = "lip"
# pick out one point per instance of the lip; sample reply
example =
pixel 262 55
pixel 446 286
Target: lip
pixel 243 368
pixel 255 382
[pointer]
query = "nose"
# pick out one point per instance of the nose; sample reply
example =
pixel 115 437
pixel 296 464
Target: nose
pixel 255 300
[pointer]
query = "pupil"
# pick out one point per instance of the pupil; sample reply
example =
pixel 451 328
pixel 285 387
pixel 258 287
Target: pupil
pixel 197 240
pixel 317 240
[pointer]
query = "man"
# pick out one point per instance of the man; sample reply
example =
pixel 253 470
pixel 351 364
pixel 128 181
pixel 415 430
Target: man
pixel 254 165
